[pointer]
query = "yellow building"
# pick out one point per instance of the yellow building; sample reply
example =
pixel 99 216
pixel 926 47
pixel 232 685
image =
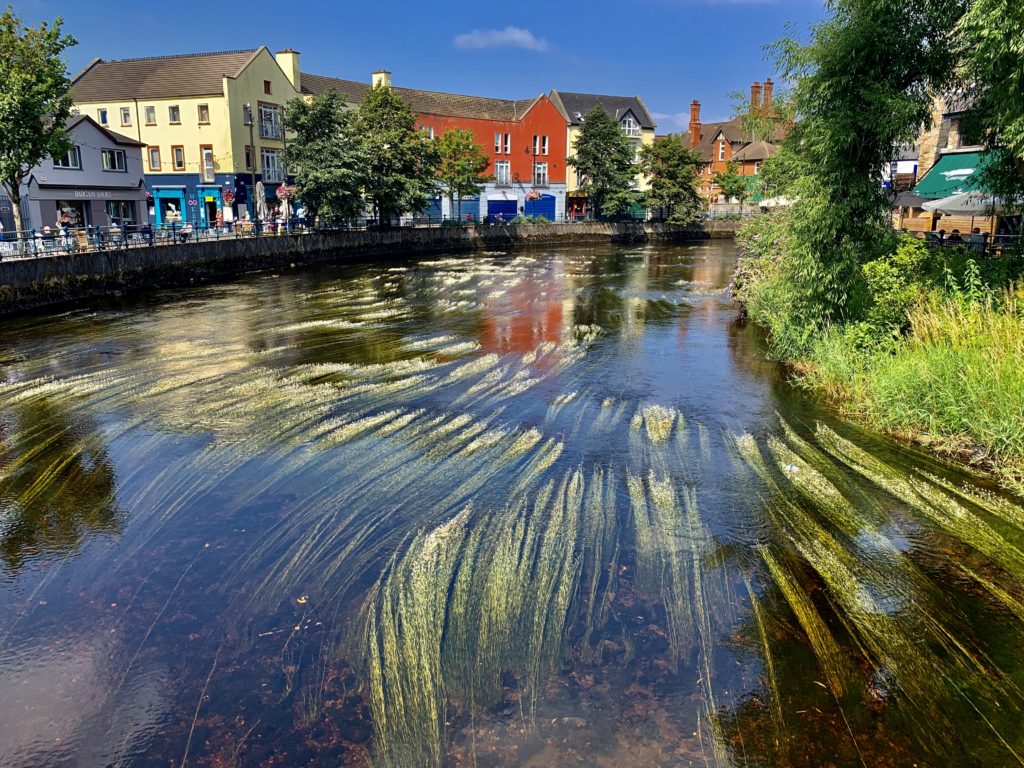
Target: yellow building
pixel 201 150
pixel 633 117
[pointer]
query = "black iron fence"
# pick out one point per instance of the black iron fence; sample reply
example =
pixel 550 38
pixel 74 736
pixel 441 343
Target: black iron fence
pixel 981 243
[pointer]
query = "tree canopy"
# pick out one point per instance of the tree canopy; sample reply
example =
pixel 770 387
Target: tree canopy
pixel 462 165
pixel 672 167
pixel 604 160
pixel 731 183
pixel 327 157
pixel 35 102
pixel 401 161
pixel 759 124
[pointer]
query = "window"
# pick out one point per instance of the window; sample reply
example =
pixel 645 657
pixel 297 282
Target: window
pixel 508 143
pixel 270 163
pixel 428 131
pixel 72 159
pixel 540 174
pixel 536 144
pixel 630 127
pixel 113 160
pixel 178 158
pixel 248 157
pixel 121 212
pixel 150 115
pixel 757 167
pixel 503 173
pixel 126 116
pixel 154 158
pixel 267 89
pixel 174 114
pixel 543 145
pixel 721 150
pixel 207 168
pixel 204 114
pixel 497 143
pixel 271 126
pixel 101 116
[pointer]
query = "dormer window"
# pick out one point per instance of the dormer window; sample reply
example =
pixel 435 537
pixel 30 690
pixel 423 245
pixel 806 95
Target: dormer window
pixel 721 149
pixel 630 127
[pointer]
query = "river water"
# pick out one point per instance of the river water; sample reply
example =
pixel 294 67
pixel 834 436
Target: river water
pixel 532 509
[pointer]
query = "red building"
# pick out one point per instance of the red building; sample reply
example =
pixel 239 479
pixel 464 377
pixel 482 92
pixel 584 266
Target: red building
pixel 524 138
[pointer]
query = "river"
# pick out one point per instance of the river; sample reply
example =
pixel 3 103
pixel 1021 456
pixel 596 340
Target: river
pixel 527 509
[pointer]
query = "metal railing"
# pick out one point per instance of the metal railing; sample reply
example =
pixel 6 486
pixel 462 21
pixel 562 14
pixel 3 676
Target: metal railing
pixel 983 244
pixel 56 242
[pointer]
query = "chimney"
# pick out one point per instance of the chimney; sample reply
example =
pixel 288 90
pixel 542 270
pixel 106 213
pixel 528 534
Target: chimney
pixel 766 99
pixel 288 60
pixel 381 78
pixel 694 123
pixel 755 98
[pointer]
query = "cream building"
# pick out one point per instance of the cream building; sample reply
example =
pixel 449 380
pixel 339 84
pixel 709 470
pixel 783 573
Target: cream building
pixel 200 152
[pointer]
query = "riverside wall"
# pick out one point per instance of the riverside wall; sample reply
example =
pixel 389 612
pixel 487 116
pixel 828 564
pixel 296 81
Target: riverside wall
pixel 53 280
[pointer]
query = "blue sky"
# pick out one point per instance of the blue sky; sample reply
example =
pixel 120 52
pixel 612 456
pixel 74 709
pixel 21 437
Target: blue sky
pixel 667 51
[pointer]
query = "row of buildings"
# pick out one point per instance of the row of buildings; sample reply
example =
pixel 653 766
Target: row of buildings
pixel 189 138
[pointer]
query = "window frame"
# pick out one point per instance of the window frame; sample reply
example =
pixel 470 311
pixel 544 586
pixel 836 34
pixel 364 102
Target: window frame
pixel 171 109
pixel 630 126
pixel 544 145
pixel 126 112
pixel 174 157
pixel 278 111
pixel 248 156
pixel 77 152
pixel 148 109
pixel 202 164
pixel 278 175
pixel 199 114
pixel 122 220
pixel 149 157
pixel 103 116
pixel 268 88
pixel 721 150
pixel 105 152
pixel 508 143
pixel 503 179
pixel 497 142
pixel 538 180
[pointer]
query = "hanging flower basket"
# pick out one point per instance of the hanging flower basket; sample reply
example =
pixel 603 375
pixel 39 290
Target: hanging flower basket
pixel 533 194
pixel 285 192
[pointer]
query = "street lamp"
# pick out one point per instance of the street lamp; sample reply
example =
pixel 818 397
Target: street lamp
pixel 248 120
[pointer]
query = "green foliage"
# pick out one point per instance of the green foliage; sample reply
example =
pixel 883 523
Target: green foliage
pixel 731 183
pixel 401 162
pixel 605 160
pixel 34 100
pixel 779 173
pixel 990 43
pixel 462 165
pixel 673 168
pixel 327 156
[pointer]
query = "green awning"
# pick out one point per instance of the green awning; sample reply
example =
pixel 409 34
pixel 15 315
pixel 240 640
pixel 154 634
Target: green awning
pixel 952 173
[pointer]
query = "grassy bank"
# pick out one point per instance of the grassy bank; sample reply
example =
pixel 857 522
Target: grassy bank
pixel 933 350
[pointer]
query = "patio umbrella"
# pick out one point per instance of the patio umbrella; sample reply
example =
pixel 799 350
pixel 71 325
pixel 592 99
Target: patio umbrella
pixel 966 204
pixel 261 202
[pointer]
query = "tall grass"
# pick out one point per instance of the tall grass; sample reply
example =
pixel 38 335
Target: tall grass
pixel 956 381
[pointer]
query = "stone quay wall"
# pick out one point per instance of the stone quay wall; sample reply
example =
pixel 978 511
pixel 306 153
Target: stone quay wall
pixel 52 280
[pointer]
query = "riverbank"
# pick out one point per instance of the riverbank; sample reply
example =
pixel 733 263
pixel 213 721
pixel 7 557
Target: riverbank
pixel 53 280
pixel 932 351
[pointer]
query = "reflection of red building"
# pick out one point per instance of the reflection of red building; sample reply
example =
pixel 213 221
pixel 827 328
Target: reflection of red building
pixel 523 318
pixel 525 139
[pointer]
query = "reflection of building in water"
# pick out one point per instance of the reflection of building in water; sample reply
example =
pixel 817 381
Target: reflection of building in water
pixel 530 312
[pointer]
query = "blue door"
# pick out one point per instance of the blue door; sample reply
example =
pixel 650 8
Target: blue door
pixel 545 207
pixel 468 211
pixel 433 210
pixel 506 209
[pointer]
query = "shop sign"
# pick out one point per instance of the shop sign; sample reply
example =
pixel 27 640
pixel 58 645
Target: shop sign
pixel 91 194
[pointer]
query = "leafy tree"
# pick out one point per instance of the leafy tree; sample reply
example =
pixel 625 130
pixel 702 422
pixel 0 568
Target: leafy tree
pixel 863 88
pixel 604 159
pixel 462 165
pixel 991 48
pixel 758 124
pixel 731 183
pixel 327 156
pixel 401 162
pixel 35 102
pixel 673 168
pixel 780 172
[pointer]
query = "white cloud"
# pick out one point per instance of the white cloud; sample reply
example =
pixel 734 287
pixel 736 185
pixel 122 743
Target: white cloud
pixel 671 122
pixel 509 37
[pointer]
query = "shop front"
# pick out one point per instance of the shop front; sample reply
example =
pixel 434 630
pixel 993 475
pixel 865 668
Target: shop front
pixel 169 206
pixel 210 204
pixel 68 207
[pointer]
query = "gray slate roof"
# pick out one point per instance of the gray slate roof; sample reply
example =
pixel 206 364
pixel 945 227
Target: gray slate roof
pixel 574 106
pixel 756 150
pixel 116 138
pixel 425 102
pixel 159 77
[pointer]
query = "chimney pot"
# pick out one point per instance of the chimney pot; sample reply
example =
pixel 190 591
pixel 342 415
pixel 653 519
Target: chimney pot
pixel 755 97
pixel 694 123
pixel 767 98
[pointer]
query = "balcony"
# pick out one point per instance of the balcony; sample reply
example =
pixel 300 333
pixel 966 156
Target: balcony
pixel 271 131
pixel 273 176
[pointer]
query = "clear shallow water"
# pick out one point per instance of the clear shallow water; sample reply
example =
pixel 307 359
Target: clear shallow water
pixel 533 509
